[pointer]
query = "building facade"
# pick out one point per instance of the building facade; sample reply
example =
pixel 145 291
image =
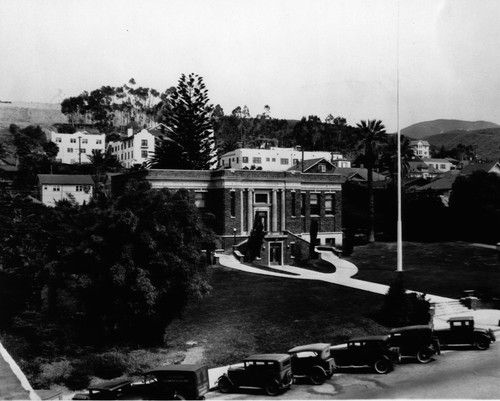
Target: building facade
pixel 421 149
pixel 56 187
pixel 285 203
pixel 74 148
pixel 136 149
pixel 272 159
pixel 441 165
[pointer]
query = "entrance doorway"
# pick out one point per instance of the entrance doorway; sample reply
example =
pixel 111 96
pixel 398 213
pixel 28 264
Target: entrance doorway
pixel 261 216
pixel 275 253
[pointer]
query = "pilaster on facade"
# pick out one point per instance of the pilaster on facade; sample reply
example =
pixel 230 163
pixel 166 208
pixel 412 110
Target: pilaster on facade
pixel 274 211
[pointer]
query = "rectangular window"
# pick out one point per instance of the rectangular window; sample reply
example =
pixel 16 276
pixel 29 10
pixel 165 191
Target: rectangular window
pixel 98 141
pixel 302 203
pixel 329 204
pixel 257 160
pixel 245 159
pixel 292 249
pixel 261 198
pixel 443 167
pixel 268 159
pixel 233 203
pixel 295 161
pixel 84 140
pixel 283 161
pixel 273 159
pixel 314 204
pixel 79 188
pixel 70 150
pixel 322 168
pixel 237 160
pixel 83 150
pixel 58 140
pixel 144 154
pixel 56 188
pixel 293 204
pixel 144 142
pixel 72 140
pixel 199 199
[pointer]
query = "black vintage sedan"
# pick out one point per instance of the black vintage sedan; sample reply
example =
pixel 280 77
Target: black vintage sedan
pixel 417 342
pixel 371 351
pixel 462 332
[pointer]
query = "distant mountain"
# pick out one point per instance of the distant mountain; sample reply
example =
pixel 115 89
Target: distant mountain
pixel 23 114
pixel 486 142
pixel 428 128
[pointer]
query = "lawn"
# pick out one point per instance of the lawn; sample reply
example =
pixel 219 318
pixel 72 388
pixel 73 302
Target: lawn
pixel 445 269
pixel 248 313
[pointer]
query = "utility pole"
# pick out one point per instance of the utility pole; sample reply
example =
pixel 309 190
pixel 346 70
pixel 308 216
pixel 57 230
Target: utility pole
pixel 79 150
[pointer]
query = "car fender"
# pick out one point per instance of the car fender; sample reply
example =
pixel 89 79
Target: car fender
pixel 227 377
pixel 318 367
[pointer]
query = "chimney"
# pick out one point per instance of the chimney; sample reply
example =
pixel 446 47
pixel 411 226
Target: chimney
pixel 130 132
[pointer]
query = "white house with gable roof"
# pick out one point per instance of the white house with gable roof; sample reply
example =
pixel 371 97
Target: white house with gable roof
pixel 135 149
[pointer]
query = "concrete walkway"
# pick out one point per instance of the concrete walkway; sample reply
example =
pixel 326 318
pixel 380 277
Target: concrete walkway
pixel 344 271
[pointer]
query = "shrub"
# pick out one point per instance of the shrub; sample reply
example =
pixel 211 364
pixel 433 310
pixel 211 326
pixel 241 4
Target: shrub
pixel 403 309
pixel 107 365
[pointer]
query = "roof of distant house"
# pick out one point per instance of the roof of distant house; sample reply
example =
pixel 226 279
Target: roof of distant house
pixel 65 179
pixel 308 164
pixel 443 183
pixel 358 174
pixel 470 168
pixel 432 160
pixel 417 141
pixel 420 165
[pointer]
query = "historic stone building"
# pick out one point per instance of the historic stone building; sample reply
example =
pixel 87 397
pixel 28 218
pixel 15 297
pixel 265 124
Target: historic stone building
pixel 284 202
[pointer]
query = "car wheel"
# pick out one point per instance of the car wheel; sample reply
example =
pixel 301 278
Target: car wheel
pixel 382 366
pixel 272 387
pixel 424 355
pixel 317 376
pixel 224 385
pixel 482 343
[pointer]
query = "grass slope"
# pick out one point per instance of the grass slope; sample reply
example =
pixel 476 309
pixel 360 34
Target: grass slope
pixel 444 269
pixel 486 142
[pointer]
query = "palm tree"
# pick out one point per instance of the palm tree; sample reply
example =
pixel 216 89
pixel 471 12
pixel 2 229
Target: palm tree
pixel 103 162
pixel 389 158
pixel 373 133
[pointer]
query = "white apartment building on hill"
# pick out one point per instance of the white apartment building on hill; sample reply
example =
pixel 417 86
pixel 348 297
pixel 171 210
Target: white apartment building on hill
pixel 74 148
pixel 274 158
pixel 135 149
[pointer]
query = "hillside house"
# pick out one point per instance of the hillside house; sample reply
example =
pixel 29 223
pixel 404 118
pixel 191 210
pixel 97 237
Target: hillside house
pixel 75 147
pixel 492 167
pixel 284 202
pixel 419 169
pixel 56 187
pixel 421 149
pixel 440 165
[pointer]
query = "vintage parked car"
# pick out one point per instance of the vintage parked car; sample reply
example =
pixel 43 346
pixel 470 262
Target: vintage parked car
pixel 108 390
pixel 372 351
pixel 169 382
pixel 312 361
pixel 463 332
pixel 416 342
pixel 270 372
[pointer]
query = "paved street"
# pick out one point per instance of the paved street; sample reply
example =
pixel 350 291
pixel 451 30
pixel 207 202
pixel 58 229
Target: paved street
pixel 453 374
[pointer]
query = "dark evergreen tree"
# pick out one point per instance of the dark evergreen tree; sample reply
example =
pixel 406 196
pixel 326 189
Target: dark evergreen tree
pixel 189 141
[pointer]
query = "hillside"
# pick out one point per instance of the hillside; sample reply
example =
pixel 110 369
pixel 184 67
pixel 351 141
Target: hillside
pixel 486 142
pixel 23 114
pixel 428 128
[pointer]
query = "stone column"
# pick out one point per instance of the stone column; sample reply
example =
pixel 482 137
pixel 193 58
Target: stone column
pixel 283 214
pixel 250 210
pixel 274 211
pixel 242 215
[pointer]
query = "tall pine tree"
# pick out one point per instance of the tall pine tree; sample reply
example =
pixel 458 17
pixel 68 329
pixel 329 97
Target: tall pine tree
pixel 189 137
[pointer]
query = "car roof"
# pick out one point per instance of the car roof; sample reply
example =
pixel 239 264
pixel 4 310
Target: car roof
pixel 410 328
pixel 317 347
pixel 460 318
pixel 175 368
pixel 110 385
pixel 267 357
pixel 370 338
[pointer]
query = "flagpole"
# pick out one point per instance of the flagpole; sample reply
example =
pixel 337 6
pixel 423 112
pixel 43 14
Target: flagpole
pixel 399 222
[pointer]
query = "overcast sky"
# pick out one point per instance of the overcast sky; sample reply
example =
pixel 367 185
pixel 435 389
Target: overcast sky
pixel 311 57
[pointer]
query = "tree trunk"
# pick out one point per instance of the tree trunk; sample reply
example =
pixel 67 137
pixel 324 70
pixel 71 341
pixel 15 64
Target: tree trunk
pixel 371 205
